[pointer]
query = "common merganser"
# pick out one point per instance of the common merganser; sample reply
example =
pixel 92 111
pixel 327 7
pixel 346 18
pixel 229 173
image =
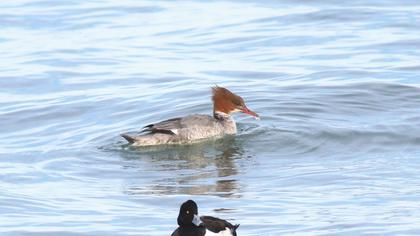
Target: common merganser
pixel 190 224
pixel 194 128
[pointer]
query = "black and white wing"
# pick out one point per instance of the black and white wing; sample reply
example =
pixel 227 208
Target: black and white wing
pixel 217 225
pixel 167 126
pixel 172 126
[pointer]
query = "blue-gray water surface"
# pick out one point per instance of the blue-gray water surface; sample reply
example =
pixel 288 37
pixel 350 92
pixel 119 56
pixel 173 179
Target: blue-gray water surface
pixel 336 83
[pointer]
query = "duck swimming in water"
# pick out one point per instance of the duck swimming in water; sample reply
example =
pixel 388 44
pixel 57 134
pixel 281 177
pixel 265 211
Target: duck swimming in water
pixel 190 224
pixel 194 128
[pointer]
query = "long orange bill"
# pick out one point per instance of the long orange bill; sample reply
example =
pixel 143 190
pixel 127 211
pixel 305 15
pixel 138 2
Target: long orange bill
pixel 251 113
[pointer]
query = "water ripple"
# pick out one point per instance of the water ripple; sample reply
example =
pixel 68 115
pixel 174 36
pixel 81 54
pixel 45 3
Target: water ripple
pixel 336 85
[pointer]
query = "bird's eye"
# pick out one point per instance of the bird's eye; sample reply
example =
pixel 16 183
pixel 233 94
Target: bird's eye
pixel 188 212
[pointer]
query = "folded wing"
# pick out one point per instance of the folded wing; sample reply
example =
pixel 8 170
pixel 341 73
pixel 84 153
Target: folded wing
pixel 172 126
pixel 217 225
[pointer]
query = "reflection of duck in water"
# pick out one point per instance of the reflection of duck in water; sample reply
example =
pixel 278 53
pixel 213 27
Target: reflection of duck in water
pixel 190 224
pixel 204 168
pixel 195 128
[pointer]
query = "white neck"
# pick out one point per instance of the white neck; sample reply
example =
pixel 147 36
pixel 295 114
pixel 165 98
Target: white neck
pixel 222 115
pixel 226 121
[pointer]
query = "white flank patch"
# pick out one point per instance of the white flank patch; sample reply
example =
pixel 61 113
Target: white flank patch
pixel 225 232
pixel 175 131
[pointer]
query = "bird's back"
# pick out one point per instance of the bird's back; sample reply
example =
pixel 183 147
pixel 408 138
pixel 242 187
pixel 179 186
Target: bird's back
pixel 188 129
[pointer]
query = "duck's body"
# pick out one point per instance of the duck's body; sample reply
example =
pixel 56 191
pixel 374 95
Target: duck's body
pixel 209 226
pixel 190 224
pixel 184 130
pixel 194 128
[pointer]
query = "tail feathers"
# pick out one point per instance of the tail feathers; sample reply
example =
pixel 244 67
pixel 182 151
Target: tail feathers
pixel 129 138
pixel 234 229
pixel 147 139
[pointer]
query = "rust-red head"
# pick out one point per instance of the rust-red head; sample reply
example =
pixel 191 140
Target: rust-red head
pixel 225 101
